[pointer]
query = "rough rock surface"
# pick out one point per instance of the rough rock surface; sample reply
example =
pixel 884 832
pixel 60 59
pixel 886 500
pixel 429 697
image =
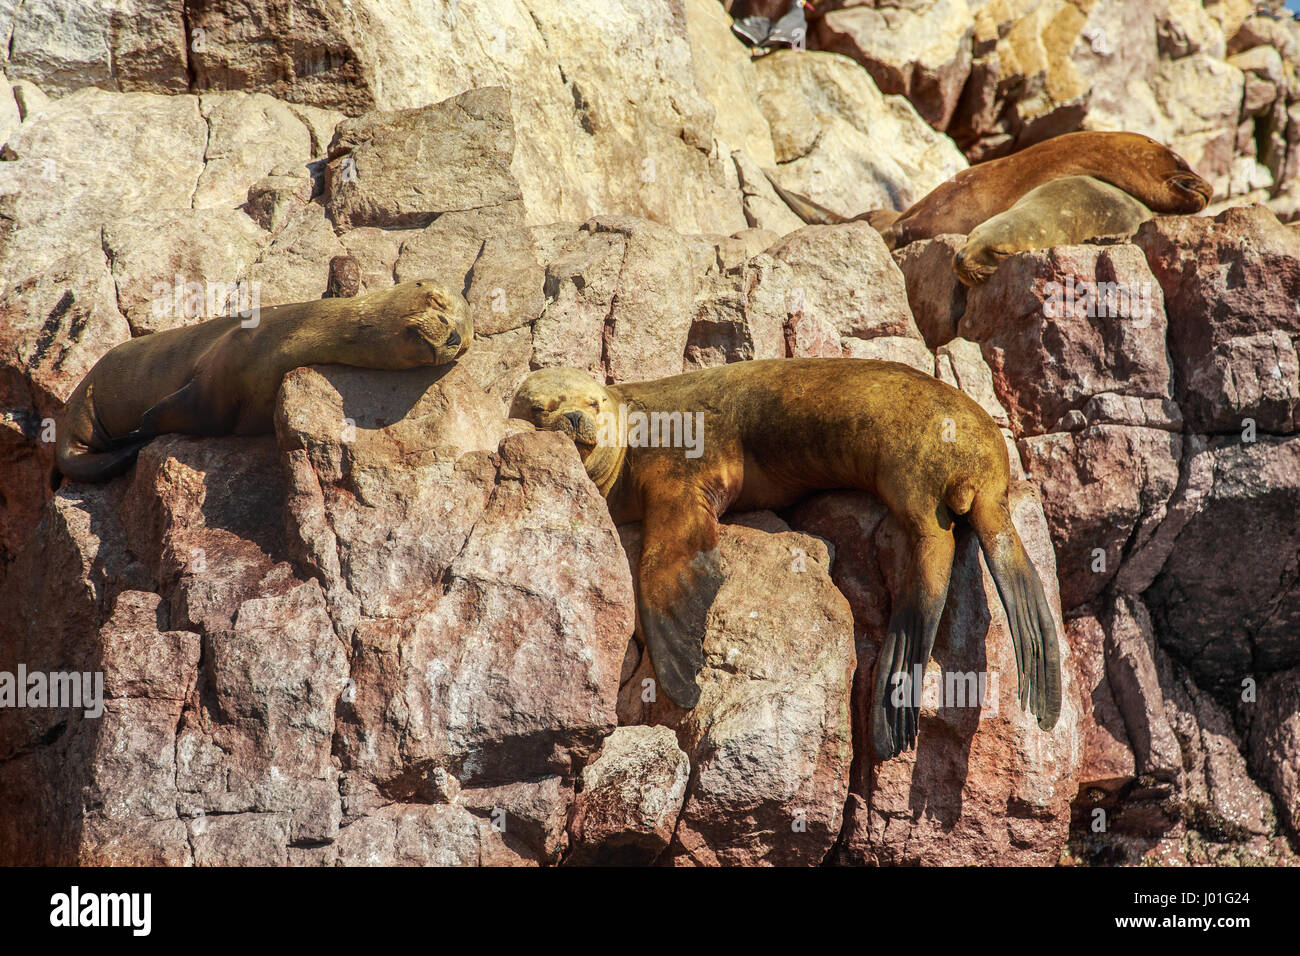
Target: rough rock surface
pixel 631 796
pixel 770 742
pixel 329 576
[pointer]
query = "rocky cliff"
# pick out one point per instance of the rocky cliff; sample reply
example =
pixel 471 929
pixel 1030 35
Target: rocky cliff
pixel 400 630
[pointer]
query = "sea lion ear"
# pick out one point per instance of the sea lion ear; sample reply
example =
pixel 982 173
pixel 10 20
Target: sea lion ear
pixel 679 577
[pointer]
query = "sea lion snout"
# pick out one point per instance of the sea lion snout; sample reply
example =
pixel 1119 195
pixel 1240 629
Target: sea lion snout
pixel 583 427
pixel 1194 190
pixel 446 323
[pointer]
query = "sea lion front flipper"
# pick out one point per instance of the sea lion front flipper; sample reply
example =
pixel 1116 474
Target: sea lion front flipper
pixel 185 411
pixel 814 214
pixel 909 642
pixel 679 577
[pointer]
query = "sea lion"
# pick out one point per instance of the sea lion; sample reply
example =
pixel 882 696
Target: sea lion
pixel 219 378
pixel 1063 212
pixel 772 431
pixel 1137 164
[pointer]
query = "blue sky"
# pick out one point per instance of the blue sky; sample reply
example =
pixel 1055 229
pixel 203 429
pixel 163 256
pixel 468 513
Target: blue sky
pixel 1293 4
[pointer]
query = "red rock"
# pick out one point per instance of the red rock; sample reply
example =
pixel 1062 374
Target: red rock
pixel 1224 600
pixel 1108 763
pixel 1231 285
pixel 1098 485
pixel 1049 358
pixel 294 739
pixel 631 797
pixel 770 742
pixel 1275 742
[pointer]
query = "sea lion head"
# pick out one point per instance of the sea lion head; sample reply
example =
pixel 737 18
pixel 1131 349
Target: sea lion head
pixel 976 262
pixel 569 400
pixel 1180 190
pixel 436 327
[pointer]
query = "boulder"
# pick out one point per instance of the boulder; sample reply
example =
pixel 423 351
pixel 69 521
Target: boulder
pixel 1042 69
pixel 769 743
pixel 586 152
pixel 1104 490
pixel 126 45
pixel 828 119
pixel 832 284
pixel 292 738
pixel 177 267
pixel 1220 607
pixel 460 150
pixel 1059 326
pixel 91 157
pixel 922 51
pixel 631 796
pixel 1230 287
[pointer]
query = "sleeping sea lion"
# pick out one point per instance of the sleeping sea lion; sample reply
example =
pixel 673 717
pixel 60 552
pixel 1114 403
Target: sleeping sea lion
pixel 1063 212
pixel 1137 164
pixel 764 434
pixel 220 378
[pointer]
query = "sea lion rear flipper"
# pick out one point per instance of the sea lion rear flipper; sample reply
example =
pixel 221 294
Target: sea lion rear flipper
pixel 88 465
pixel 1033 630
pixel 895 713
pixel 679 577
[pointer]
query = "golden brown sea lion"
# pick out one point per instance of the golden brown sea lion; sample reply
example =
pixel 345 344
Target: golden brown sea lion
pixel 1137 164
pixel 219 378
pixel 762 434
pixel 1063 212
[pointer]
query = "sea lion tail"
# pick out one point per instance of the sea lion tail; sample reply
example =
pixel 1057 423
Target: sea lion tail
pixel 1033 631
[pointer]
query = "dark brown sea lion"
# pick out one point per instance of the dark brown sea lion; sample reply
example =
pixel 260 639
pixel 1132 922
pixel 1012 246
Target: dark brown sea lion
pixel 1063 212
pixel 773 431
pixel 1137 164
pixel 220 378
